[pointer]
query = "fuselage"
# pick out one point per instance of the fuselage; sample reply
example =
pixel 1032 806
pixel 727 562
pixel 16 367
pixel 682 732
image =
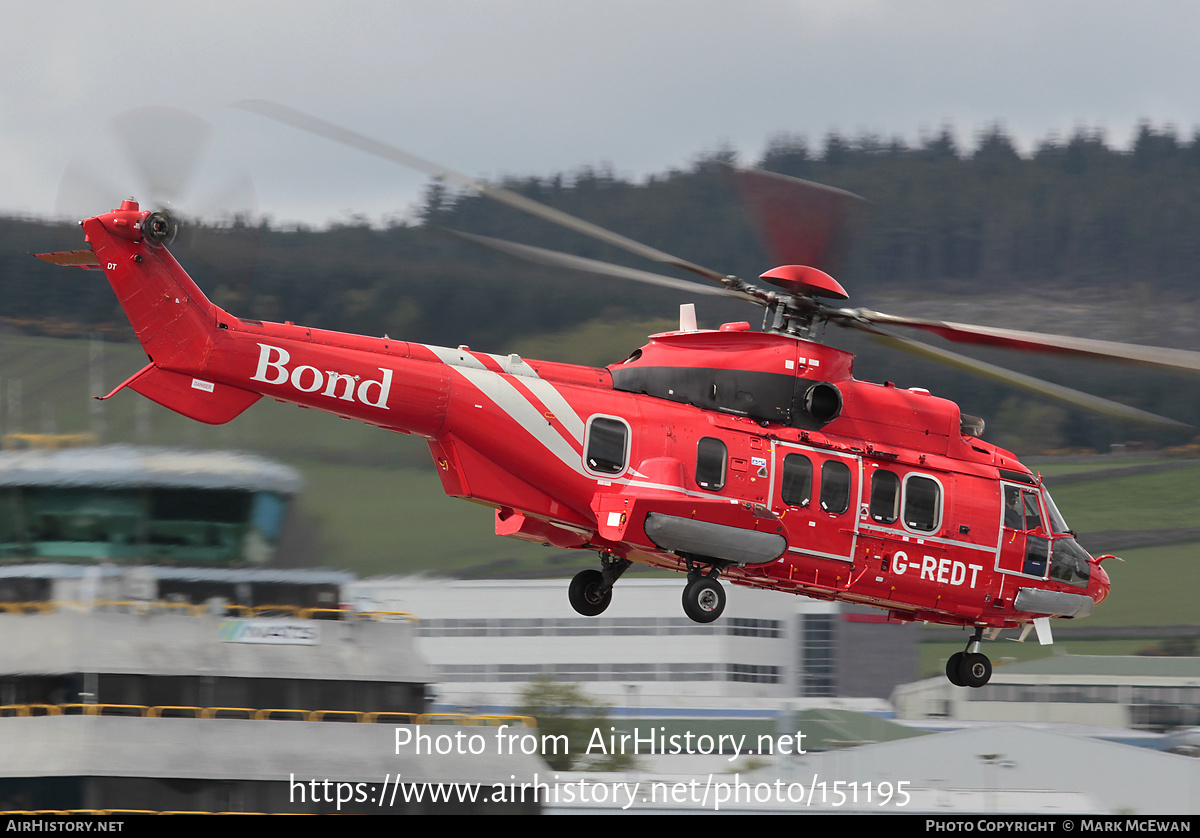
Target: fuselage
pixel 757 452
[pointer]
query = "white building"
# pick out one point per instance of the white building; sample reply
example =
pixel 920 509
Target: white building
pixel 1148 693
pixel 487 639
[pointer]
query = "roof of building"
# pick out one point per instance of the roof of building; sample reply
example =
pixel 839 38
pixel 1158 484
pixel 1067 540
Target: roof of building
pixel 128 466
pixel 70 570
pixel 1005 759
pixel 1135 666
pixel 828 728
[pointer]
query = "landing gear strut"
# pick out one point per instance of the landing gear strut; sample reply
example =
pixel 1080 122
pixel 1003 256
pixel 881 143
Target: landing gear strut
pixel 970 668
pixel 591 590
pixel 703 596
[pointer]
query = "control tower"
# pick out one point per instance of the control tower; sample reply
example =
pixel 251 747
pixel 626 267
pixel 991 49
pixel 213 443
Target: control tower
pixel 156 657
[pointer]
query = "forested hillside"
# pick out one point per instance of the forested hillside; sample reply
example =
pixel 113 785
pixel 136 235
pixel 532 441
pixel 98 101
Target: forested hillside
pixel 1076 237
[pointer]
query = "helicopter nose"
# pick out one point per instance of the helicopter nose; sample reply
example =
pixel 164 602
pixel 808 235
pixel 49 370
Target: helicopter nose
pixel 1100 583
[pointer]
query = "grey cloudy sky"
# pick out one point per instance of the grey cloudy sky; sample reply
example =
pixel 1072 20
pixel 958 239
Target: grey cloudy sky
pixel 536 86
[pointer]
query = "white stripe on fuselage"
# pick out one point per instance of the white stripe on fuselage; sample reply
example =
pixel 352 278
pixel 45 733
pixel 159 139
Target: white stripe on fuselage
pixel 505 394
pixel 545 392
pixel 513 402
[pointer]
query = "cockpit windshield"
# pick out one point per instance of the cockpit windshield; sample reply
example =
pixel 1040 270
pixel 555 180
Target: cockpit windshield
pixel 1057 524
pixel 1069 562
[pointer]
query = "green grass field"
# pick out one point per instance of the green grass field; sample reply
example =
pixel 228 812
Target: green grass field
pixel 393 521
pixel 1161 500
pixel 1087 464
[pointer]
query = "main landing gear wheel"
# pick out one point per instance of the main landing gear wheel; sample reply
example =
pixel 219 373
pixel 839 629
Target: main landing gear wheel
pixel 703 599
pixel 954 669
pixel 588 593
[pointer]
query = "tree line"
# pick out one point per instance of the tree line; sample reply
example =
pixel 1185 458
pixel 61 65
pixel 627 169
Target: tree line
pixel 1076 216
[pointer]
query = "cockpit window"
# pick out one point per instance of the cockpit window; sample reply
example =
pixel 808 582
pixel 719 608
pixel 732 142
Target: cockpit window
pixel 1058 524
pixel 1069 562
pixel 1014 518
pixel 1033 513
pixel 1022 510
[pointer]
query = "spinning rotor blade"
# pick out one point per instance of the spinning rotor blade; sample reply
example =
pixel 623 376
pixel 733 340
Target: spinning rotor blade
pixel 555 259
pixel 801 222
pixel 163 158
pixel 1180 359
pixel 1016 379
pixel 164 147
pixel 805 224
pixel 313 125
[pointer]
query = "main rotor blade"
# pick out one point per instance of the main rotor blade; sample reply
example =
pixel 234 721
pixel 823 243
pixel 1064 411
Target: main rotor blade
pixel 800 222
pixel 556 259
pixel 1016 379
pixel 1181 359
pixel 314 125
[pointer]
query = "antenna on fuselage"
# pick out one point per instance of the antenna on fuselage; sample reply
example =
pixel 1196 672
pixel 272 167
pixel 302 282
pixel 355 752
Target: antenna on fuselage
pixel 687 317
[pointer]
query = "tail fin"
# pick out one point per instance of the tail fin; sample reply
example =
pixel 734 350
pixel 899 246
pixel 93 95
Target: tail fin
pixel 173 320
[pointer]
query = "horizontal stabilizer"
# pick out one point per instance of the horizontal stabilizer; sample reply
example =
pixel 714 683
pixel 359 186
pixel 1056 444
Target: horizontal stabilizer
pixel 195 398
pixel 85 259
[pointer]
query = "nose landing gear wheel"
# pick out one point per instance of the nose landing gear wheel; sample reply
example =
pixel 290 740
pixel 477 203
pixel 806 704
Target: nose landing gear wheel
pixel 968 669
pixel 703 599
pixel 588 594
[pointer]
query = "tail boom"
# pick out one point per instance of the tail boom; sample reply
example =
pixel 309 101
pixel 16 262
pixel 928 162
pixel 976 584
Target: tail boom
pixel 211 366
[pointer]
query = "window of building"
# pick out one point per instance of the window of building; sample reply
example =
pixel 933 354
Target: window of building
pixel 816 652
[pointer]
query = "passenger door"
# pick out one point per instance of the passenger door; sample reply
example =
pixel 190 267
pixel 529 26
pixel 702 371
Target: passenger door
pixel 817 495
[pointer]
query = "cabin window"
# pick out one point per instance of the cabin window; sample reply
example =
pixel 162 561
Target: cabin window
pixel 885 497
pixel 922 503
pixel 797 480
pixel 835 486
pixel 607 445
pixel 711 456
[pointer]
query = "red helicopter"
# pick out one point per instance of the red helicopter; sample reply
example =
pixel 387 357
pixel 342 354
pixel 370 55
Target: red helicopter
pixel 755 456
